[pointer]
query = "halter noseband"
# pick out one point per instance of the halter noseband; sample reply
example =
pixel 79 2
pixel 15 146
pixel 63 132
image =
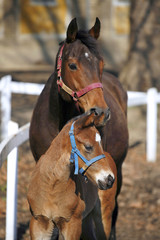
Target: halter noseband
pixel 75 153
pixel 78 94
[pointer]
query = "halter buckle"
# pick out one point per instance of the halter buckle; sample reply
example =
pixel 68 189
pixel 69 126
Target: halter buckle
pixel 74 96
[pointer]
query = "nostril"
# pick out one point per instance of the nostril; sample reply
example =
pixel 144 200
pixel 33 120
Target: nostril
pixel 101 185
pixel 95 110
pixel 110 181
pixel 107 114
pixel 106 183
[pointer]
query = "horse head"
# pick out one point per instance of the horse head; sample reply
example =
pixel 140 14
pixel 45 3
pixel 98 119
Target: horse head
pixel 87 153
pixel 79 69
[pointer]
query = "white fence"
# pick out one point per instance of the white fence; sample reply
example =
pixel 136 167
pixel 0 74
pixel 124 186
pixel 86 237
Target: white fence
pixel 14 137
pixel 9 151
pixel 151 99
pixel 7 87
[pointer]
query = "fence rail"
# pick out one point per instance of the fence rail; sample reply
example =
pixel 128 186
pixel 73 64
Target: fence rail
pixel 151 98
pixel 13 140
pixel 7 87
pixel 9 151
pixel 13 137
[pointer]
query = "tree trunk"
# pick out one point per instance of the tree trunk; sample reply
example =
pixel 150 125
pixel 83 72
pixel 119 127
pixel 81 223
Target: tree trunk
pixel 142 69
pixel 10 18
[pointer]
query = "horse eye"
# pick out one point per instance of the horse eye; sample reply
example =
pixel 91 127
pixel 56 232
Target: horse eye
pixel 88 148
pixel 73 66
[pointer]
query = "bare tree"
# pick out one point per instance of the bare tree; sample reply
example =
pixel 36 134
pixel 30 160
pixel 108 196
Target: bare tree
pixel 142 69
pixel 10 18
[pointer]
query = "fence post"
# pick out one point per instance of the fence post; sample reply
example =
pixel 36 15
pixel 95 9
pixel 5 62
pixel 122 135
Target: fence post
pixel 5 105
pixel 11 205
pixel 152 124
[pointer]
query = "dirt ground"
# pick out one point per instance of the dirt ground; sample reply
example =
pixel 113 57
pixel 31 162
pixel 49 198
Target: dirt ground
pixel 139 201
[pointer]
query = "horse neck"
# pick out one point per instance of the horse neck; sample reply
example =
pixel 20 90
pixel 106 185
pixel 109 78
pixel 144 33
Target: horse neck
pixel 68 110
pixel 53 99
pixel 61 111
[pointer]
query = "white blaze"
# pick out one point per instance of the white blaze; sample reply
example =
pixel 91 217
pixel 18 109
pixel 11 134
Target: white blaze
pixel 98 138
pixel 86 54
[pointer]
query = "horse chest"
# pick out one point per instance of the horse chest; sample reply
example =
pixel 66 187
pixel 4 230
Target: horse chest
pixel 68 204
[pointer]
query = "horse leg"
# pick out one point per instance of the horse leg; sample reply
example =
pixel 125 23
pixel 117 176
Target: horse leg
pixel 107 206
pixel 41 228
pixel 115 212
pixel 72 230
pixel 88 228
pixel 114 219
pixel 107 203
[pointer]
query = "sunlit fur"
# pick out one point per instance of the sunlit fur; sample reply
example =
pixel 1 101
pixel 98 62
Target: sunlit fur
pixel 55 107
pixel 57 198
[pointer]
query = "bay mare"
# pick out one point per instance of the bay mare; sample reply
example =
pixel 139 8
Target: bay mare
pixel 78 70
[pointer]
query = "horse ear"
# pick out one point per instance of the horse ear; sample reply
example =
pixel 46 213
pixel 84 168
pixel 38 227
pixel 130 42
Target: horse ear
pixel 96 117
pixel 100 120
pixel 95 30
pixel 72 31
pixel 88 120
pixel 93 117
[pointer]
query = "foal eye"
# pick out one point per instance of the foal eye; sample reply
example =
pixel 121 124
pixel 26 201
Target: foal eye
pixel 88 148
pixel 72 66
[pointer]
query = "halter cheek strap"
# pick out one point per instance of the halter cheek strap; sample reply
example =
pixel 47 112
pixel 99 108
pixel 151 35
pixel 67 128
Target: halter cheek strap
pixel 75 94
pixel 75 153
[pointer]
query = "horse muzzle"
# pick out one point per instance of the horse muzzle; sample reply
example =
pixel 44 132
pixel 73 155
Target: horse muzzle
pixel 106 183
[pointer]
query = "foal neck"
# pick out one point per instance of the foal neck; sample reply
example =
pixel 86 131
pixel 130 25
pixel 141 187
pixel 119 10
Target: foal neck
pixel 56 161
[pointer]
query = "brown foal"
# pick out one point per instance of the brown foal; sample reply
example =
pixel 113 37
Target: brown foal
pixel 59 198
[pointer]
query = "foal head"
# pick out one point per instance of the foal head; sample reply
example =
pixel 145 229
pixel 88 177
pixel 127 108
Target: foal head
pixel 87 152
pixel 80 67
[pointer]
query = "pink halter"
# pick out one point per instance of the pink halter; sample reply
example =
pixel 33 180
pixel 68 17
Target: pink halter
pixel 61 84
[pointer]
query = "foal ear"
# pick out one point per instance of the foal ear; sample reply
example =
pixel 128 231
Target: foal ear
pixel 85 120
pixel 99 120
pixel 95 30
pixel 89 120
pixel 72 31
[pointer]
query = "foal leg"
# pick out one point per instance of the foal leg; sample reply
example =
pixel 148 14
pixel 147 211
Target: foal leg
pixel 72 229
pixel 41 228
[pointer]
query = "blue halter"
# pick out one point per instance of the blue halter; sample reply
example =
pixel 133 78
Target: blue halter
pixel 75 153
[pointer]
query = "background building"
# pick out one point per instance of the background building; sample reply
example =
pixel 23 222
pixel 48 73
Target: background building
pixel 30 30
